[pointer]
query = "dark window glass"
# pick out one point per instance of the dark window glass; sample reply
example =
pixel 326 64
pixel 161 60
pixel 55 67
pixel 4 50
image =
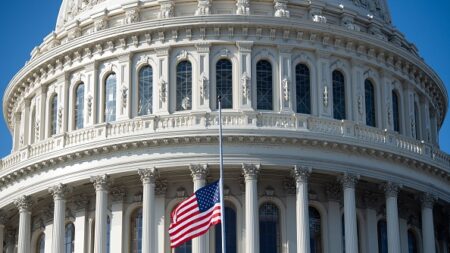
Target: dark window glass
pixel 338 95
pixel 230 229
pixel 145 91
pixel 370 103
pixel 396 111
pixel 315 230
pixel 108 234
pixel 136 231
pixel 79 107
pixel 184 86
pixel 41 244
pixel 110 98
pixel 382 237
pixel 269 228
pixel 416 121
pixel 69 242
pixel 264 87
pixel 303 86
pixel 224 82
pixel 54 115
pixel 412 242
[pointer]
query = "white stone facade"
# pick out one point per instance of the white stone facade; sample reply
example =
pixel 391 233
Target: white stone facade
pixel 96 176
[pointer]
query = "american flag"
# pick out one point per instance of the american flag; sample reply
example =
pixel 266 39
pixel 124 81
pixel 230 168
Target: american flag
pixel 195 215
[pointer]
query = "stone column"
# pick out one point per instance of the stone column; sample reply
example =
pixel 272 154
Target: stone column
pixel 371 204
pixel 251 172
pixel 80 223
pixel 101 185
pixel 393 229
pixel 59 216
pixel 334 195
pixel 148 177
pixel 351 228
pixel 2 231
pixel 199 172
pixel 427 223
pixel 24 204
pixel 301 175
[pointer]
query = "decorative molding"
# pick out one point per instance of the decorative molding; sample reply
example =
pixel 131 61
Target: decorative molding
pixel 349 181
pixel 24 203
pixel 59 191
pixel 148 176
pixel 301 173
pixel 391 189
pixel 101 182
pixel 199 171
pixel 251 171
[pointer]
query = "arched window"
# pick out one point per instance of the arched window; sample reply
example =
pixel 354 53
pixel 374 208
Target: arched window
pixel 338 95
pixel 370 103
pixel 33 126
pixel 412 242
pixel 264 86
pixel 382 236
pixel 41 244
pixel 136 231
pixel 303 89
pixel 224 82
pixel 54 115
pixel 184 86
pixel 315 230
pixel 269 228
pixel 79 107
pixel 108 234
pixel 417 121
pixel 69 242
pixel 230 229
pixel 110 98
pixel 145 91
pixel 396 111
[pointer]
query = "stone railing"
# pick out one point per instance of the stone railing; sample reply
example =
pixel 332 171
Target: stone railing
pixel 309 126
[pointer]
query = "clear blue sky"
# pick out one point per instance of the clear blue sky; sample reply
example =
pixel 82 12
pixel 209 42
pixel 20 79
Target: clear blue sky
pixel 24 24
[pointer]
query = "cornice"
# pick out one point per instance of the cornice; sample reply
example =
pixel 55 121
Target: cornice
pixel 336 39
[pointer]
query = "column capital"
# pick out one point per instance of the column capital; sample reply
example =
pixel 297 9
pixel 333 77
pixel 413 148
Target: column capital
pixel 198 171
pixel 59 191
pixel 301 173
pixel 427 200
pixel 391 189
pixel 251 171
pixel 101 182
pixel 349 180
pixel 148 176
pixel 23 203
pixel 334 191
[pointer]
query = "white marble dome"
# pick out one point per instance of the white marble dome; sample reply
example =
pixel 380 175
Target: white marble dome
pixel 331 123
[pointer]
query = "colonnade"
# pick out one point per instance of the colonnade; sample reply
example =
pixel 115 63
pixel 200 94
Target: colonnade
pixel 250 172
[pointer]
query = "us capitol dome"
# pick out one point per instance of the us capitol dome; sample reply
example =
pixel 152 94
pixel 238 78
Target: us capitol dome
pixel 331 122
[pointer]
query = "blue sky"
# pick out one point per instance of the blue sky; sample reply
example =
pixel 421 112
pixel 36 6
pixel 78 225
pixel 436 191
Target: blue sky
pixel 24 24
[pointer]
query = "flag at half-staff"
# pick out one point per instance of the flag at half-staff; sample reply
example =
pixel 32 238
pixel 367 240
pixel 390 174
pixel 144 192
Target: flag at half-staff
pixel 195 215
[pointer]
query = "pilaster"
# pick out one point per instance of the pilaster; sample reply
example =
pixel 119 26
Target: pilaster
pixel 203 94
pixel 285 79
pixel 123 88
pixel 162 94
pixel 325 85
pixel 357 93
pixel 245 74
pixel 90 94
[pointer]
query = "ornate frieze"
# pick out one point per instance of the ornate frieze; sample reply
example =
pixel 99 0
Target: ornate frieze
pixel 250 171
pixel 59 191
pixel 349 181
pixel 148 176
pixel 101 182
pixel 301 173
pixel 198 171
pixel 24 203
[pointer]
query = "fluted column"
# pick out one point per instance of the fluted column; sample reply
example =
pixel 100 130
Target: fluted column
pixel 251 173
pixel 59 216
pixel 148 177
pixel 199 172
pixel 393 229
pixel 301 175
pixel 101 185
pixel 24 204
pixel 427 223
pixel 350 224
pixel 2 231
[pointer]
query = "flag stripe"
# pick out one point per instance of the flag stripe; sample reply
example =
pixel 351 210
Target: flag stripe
pixel 195 215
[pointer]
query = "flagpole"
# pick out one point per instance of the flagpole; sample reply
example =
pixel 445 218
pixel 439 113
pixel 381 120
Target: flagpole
pixel 222 202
